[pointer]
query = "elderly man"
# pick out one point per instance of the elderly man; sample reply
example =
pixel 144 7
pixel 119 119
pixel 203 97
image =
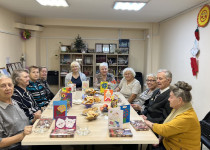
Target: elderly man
pixel 157 107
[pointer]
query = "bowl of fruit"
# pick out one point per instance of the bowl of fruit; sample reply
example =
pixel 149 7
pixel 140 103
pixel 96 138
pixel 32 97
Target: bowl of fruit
pixel 104 109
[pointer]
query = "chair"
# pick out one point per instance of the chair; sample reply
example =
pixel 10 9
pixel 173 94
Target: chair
pixel 139 77
pixel 205 131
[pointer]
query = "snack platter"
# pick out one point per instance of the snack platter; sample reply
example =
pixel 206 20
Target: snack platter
pixel 139 125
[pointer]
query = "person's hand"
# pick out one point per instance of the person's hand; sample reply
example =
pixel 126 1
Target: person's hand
pixel 117 89
pixel 136 106
pixel 148 123
pixel 37 115
pixel 39 112
pixel 144 117
pixel 27 130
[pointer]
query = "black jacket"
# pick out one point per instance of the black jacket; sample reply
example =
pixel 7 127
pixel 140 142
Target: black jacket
pixel 158 110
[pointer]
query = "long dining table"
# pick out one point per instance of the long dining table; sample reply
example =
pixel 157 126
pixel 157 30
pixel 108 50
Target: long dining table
pixel 99 133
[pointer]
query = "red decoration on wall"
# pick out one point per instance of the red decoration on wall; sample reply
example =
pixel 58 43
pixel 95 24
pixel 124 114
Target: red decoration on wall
pixel 194 65
pixel 197 36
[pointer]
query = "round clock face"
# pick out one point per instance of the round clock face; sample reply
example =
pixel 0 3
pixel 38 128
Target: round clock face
pixel 203 16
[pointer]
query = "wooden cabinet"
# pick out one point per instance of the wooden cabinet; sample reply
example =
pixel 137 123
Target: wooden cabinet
pixel 90 64
pixel 86 63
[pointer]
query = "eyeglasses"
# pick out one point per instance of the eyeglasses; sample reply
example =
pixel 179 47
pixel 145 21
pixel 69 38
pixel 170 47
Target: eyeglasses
pixel 150 80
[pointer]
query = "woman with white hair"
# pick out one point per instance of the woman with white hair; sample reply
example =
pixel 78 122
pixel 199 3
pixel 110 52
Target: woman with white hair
pixel 22 97
pixel 103 75
pixel 75 76
pixel 151 82
pixel 13 121
pixel 129 86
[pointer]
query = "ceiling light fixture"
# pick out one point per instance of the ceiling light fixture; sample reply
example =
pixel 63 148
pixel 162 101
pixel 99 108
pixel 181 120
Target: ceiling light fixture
pixel 123 5
pixel 58 3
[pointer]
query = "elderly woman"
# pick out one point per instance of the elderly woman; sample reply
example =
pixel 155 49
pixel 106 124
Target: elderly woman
pixel 13 121
pixel 36 88
pixel 43 80
pixel 129 86
pixel 75 76
pixel 181 129
pixel 151 82
pixel 103 75
pixel 23 98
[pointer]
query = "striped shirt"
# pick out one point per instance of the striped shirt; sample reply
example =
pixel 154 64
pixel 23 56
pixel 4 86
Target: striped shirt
pixel 39 93
pixel 25 101
pixel 49 93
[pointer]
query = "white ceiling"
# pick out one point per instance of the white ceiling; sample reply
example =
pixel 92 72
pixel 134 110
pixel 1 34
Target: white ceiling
pixel 154 11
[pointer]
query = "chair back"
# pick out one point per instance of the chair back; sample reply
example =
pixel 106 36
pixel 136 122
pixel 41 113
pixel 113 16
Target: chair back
pixel 205 130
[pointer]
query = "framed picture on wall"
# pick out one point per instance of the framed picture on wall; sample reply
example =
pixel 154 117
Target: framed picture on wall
pixel 112 48
pixel 105 48
pixel 124 43
pixel 99 48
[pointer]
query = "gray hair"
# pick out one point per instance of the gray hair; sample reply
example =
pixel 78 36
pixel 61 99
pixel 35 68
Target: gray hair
pixel 129 69
pixel 16 75
pixel 75 63
pixel 40 68
pixel 3 76
pixel 168 73
pixel 182 89
pixel 152 75
pixel 103 64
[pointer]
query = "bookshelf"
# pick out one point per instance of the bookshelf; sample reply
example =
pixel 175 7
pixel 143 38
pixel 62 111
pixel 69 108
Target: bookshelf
pixel 90 62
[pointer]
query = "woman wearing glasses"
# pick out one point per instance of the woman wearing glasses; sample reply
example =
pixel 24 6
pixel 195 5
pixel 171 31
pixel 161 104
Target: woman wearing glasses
pixel 151 82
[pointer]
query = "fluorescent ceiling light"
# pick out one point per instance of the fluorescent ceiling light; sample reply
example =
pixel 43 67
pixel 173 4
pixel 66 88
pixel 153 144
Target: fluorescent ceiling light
pixel 61 3
pixel 128 5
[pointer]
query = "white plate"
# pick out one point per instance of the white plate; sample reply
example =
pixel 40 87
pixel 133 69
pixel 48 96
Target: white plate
pixel 77 101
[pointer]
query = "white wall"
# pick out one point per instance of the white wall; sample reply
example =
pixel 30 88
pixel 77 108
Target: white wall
pixel 177 38
pixel 51 36
pixel 11 44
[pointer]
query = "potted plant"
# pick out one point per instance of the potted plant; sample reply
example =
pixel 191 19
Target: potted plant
pixel 79 44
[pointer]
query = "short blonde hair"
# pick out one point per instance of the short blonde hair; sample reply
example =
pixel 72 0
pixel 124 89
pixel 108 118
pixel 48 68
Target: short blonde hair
pixel 129 69
pixel 75 63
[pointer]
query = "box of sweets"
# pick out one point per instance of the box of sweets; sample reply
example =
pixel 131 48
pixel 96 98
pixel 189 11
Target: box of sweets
pixel 139 125
pixel 62 133
pixel 120 133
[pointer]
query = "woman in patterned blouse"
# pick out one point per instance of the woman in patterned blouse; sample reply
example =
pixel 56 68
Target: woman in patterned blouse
pixel 151 82
pixel 103 75
pixel 23 98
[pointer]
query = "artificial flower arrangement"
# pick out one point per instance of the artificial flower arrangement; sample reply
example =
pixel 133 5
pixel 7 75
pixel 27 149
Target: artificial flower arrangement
pixel 25 34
